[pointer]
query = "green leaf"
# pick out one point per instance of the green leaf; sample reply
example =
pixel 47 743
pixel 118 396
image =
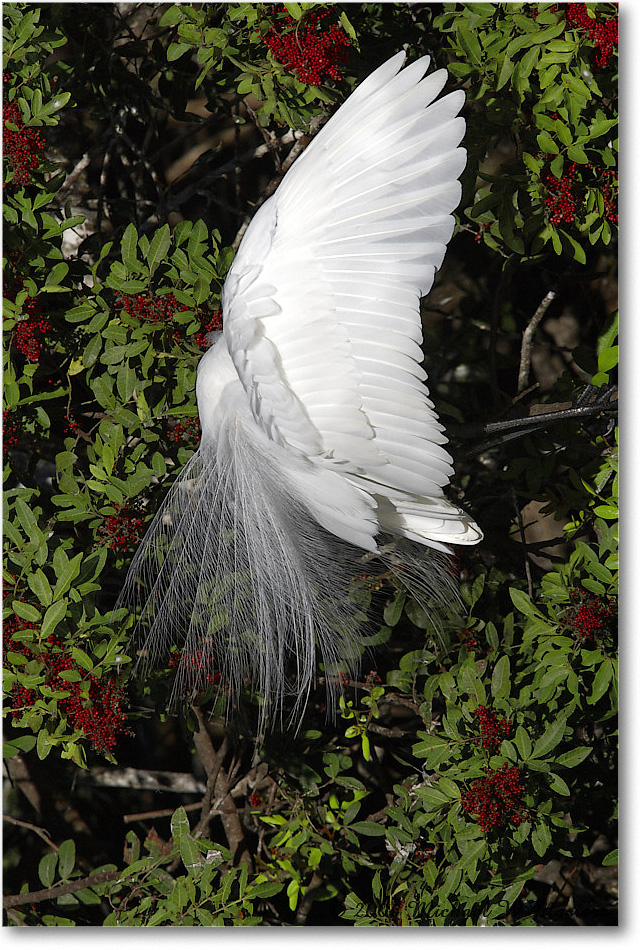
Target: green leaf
pixel 26 611
pixel 348 27
pixel 158 248
pixel 55 275
pixel 92 350
pixel 433 750
pixel 176 50
pixel 601 682
pixel 505 72
pixel 179 824
pixel 577 154
pixel 44 747
pixel 432 797
pixel 47 868
pixel 610 859
pixel 171 16
pixel 523 743
pixel 558 784
pixel 500 682
pixel 573 757
pixel 551 738
pixel 609 512
pixel 608 358
pixel 66 857
pixel 128 247
pixel 470 857
pixel 369 828
pixel 190 853
pixel 547 143
pixel 469 43
pixel 393 610
pixel 17 745
pixel 524 604
pixel 541 838
pixel 52 618
pixel 69 573
pixel 41 587
pixel 125 381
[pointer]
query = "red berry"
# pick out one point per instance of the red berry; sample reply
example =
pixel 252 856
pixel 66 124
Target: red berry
pixel 310 48
pixel 21 144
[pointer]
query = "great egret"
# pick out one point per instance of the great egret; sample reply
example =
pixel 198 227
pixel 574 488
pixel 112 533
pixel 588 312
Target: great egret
pixel 320 445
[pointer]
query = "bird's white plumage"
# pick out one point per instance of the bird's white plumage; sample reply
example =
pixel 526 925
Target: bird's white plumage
pixel 322 300
pixel 319 435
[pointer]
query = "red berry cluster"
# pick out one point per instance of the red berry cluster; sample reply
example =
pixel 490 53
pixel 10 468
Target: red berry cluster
pixel 370 582
pixel 484 226
pixel 424 853
pixel 496 799
pixel 97 711
pixel 71 426
pixel 562 198
pixel 609 191
pixel 10 429
pixel 254 800
pixel 151 309
pixel 589 617
pixel 121 530
pixel 21 144
pixel 469 640
pixel 373 679
pixel 565 195
pixel 603 33
pixel 199 667
pixel 30 334
pixel 210 324
pixel 312 49
pixel 188 429
pixel 492 729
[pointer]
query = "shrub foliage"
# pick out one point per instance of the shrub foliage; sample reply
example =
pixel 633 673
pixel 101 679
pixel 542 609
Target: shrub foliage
pixel 136 144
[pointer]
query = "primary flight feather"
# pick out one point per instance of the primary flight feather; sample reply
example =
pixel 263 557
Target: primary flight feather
pixel 319 439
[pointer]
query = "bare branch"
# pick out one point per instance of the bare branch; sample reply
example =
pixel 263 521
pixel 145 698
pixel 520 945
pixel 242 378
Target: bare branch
pixel 218 785
pixel 51 893
pixel 158 813
pixel 527 339
pixel 39 831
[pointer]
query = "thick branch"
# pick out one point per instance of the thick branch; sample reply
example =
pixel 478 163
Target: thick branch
pixel 218 785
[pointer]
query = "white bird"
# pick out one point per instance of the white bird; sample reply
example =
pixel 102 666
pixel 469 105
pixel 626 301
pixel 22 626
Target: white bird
pixel 320 445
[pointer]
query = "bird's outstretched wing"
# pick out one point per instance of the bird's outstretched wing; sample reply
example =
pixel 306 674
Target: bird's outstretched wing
pixel 322 301
pixel 321 305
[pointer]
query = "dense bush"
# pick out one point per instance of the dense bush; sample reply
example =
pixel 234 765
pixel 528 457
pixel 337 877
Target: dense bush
pixel 466 784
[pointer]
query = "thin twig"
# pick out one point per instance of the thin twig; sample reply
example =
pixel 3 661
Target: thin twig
pixel 51 893
pixel 494 328
pixel 158 813
pixel 520 524
pixel 527 339
pixel 224 170
pixel 39 831
pixel 74 174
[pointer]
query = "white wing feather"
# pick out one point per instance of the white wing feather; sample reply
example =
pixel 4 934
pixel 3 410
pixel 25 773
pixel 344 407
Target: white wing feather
pixel 321 305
